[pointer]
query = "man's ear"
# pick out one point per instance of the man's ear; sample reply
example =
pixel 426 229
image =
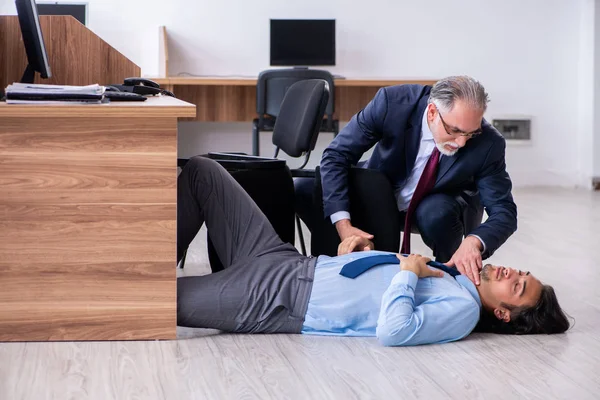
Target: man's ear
pixel 502 314
pixel 430 111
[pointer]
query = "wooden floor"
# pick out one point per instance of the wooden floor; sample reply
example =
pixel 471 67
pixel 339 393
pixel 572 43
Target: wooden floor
pixel 558 240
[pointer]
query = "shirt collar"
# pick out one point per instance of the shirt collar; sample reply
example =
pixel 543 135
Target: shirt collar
pixel 426 133
pixel 466 282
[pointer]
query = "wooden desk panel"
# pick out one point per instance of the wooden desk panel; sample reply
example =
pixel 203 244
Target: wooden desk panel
pixel 225 103
pixel 77 56
pixel 88 222
pixel 234 99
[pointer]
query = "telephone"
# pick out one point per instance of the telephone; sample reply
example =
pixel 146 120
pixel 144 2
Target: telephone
pixel 140 86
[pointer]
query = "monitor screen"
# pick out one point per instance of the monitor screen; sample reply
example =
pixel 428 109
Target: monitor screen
pixel 302 42
pixel 78 11
pixel 33 40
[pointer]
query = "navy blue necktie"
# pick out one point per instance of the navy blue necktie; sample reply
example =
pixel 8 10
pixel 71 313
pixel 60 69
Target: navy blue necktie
pixel 357 267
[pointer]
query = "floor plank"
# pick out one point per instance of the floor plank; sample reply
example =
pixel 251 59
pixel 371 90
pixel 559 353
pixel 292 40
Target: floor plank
pixel 557 240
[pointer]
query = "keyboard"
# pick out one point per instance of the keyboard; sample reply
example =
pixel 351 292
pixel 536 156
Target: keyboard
pixel 124 96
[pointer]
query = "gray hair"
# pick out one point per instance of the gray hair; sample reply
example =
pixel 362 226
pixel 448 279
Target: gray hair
pixel 446 91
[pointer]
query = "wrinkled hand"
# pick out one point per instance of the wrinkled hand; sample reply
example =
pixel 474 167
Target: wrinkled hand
pixel 355 243
pixel 345 230
pixel 418 264
pixel 467 259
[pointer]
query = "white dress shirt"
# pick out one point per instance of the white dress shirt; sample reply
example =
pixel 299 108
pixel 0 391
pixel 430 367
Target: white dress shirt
pixel 405 192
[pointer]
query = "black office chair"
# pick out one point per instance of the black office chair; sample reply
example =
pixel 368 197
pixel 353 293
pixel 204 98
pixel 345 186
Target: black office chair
pixel 269 181
pixel 372 206
pixel 374 209
pixel 271 87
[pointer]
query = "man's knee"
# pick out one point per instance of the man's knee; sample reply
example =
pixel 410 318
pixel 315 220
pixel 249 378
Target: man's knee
pixel 205 171
pixel 439 213
pixel 200 163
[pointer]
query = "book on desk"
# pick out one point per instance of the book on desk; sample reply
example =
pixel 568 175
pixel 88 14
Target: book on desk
pixel 19 93
pixel 23 93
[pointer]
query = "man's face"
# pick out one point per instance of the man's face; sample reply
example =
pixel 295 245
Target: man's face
pixel 452 129
pixel 501 285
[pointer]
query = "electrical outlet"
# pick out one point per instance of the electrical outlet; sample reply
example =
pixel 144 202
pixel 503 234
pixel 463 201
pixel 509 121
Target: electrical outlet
pixel 513 129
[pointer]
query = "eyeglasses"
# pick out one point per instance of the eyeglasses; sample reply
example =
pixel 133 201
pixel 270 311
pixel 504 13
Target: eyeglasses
pixel 458 133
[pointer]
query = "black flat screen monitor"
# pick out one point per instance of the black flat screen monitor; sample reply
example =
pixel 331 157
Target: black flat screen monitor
pixel 37 58
pixel 77 10
pixel 302 42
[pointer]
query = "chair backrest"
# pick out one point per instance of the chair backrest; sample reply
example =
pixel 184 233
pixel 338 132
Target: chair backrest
pixel 272 85
pixel 300 117
pixel 373 209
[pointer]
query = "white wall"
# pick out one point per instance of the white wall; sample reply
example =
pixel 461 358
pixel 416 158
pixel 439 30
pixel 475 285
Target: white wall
pixel 532 56
pixel 589 91
pixel 595 131
pixel 586 75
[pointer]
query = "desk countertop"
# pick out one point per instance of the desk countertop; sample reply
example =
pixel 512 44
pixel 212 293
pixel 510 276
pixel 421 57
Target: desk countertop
pixel 251 81
pixel 159 106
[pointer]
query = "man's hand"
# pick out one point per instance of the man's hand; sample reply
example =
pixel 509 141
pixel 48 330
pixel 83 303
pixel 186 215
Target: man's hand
pixel 467 258
pixel 345 230
pixel 418 264
pixel 355 243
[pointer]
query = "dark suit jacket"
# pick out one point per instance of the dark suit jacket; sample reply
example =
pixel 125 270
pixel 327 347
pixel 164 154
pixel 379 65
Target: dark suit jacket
pixel 392 122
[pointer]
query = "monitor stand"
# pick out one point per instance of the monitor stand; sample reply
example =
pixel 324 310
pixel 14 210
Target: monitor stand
pixel 28 75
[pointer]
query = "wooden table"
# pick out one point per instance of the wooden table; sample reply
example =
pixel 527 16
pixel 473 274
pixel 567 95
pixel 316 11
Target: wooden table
pixel 233 99
pixel 88 220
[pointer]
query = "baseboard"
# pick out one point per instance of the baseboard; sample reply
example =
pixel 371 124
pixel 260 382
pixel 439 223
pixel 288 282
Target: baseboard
pixel 543 177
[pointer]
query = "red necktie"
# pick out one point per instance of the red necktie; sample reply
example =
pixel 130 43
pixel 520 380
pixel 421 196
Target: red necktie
pixel 425 184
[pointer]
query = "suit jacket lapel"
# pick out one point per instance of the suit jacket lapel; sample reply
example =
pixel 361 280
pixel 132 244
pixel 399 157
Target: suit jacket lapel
pixel 445 164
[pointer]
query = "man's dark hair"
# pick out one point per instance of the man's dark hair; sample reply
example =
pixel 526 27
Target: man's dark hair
pixel 544 317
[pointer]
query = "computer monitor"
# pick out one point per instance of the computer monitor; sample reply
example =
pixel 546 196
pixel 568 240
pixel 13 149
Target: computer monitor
pixel 37 58
pixel 76 10
pixel 302 42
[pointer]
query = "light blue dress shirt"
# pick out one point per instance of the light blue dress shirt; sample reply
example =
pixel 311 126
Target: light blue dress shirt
pixel 394 305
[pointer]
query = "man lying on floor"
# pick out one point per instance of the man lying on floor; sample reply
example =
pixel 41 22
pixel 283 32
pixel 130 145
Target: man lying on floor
pixel 268 287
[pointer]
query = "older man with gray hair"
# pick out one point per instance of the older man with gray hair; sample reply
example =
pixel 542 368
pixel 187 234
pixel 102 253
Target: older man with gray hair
pixel 445 162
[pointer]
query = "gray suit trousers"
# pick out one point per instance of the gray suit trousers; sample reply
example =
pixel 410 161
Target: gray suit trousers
pixel 266 284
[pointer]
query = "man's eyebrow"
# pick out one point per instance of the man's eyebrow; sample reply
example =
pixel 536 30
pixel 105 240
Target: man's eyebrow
pixel 454 128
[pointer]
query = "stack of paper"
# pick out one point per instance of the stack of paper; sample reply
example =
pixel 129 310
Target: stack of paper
pixel 32 93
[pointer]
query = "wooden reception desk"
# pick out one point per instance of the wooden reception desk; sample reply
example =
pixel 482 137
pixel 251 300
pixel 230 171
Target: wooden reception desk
pixel 88 220
pixel 87 200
